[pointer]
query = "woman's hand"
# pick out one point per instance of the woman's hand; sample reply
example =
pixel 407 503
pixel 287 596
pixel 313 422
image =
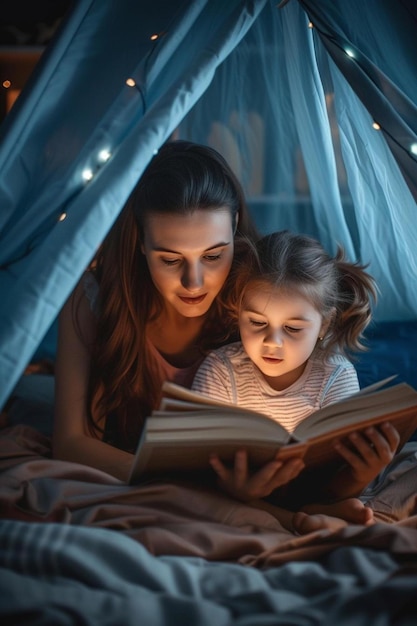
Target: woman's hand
pixel 368 453
pixel 243 485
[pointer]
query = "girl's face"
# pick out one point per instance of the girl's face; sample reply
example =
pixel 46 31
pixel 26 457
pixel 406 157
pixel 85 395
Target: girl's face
pixel 279 331
pixel 189 257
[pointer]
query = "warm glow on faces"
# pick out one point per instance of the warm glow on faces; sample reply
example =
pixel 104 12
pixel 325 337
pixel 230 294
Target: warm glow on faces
pixel 189 257
pixel 279 331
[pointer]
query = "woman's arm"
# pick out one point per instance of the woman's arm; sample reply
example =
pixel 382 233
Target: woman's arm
pixel 72 440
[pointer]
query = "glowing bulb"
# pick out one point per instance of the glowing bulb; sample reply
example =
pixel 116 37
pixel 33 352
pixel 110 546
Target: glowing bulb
pixel 154 37
pixel 87 174
pixel 376 126
pixel 7 84
pixel 130 82
pixel 104 155
pixel 62 217
pixel 310 25
pixel 413 148
pixel 350 53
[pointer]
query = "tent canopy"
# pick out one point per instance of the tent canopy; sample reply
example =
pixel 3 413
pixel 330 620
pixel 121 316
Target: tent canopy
pixel 312 103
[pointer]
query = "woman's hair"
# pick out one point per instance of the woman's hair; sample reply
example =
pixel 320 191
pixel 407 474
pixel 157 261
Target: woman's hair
pixel 339 290
pixel 181 178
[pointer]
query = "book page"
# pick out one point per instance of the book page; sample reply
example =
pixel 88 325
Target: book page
pixel 214 424
pixel 356 410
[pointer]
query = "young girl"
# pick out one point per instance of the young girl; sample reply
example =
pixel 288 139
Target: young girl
pixel 149 309
pixel 300 312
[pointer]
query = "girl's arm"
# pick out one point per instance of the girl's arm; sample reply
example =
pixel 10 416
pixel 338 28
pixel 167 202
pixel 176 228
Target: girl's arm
pixel 366 454
pixel 72 440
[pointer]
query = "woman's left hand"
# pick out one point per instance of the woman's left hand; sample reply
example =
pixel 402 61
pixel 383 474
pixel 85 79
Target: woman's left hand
pixel 241 484
pixel 369 452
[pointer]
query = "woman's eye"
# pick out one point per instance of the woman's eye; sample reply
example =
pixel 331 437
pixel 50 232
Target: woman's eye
pixel 212 257
pixel 170 261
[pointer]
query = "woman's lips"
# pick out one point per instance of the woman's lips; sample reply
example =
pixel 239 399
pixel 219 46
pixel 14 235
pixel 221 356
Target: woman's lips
pixel 195 300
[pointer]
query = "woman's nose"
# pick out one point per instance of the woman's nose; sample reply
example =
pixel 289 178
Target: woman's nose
pixel 193 277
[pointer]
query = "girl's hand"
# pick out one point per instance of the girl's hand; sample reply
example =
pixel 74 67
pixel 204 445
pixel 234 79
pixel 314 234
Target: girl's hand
pixel 240 484
pixel 369 452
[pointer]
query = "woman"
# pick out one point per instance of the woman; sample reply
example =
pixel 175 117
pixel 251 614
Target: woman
pixel 150 309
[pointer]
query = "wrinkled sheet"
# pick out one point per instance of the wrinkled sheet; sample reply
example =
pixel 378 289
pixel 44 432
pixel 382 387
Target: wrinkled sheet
pixel 86 548
pixel 60 574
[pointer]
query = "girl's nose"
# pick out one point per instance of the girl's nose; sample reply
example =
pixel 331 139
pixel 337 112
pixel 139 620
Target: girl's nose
pixel 274 338
pixel 192 278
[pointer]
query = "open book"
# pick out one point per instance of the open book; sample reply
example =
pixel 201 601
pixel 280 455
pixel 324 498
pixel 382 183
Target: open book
pixel 188 427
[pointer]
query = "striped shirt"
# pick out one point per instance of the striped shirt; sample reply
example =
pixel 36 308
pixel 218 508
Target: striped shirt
pixel 228 375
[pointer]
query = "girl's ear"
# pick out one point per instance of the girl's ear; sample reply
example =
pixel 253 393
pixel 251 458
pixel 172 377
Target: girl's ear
pixel 326 323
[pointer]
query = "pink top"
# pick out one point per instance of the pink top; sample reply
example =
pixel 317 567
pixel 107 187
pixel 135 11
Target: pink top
pixel 165 371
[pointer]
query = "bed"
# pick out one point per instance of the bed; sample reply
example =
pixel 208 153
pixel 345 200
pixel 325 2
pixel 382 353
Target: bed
pixel 78 546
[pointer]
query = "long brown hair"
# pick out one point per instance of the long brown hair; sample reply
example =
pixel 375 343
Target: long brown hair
pixel 181 178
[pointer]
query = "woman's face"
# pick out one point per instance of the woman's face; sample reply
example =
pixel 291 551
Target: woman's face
pixel 189 257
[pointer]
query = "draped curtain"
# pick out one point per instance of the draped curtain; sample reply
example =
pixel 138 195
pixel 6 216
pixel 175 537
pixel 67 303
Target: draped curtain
pixel 294 109
pixel 289 95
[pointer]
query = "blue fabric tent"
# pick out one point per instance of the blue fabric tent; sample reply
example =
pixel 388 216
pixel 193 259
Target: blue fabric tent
pixel 314 104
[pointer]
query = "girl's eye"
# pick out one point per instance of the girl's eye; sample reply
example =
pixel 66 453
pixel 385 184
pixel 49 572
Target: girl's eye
pixel 257 323
pixel 170 262
pixel 292 330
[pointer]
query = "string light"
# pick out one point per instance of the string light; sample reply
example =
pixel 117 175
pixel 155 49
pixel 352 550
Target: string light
pixel 310 25
pixel 7 84
pixel 130 82
pixel 87 174
pixel 350 53
pixel 376 126
pixel 62 217
pixel 104 155
pixel 413 148
pixel 154 37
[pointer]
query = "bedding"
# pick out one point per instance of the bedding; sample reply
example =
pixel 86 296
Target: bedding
pixel 86 548
pixel 79 575
pixel 78 546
